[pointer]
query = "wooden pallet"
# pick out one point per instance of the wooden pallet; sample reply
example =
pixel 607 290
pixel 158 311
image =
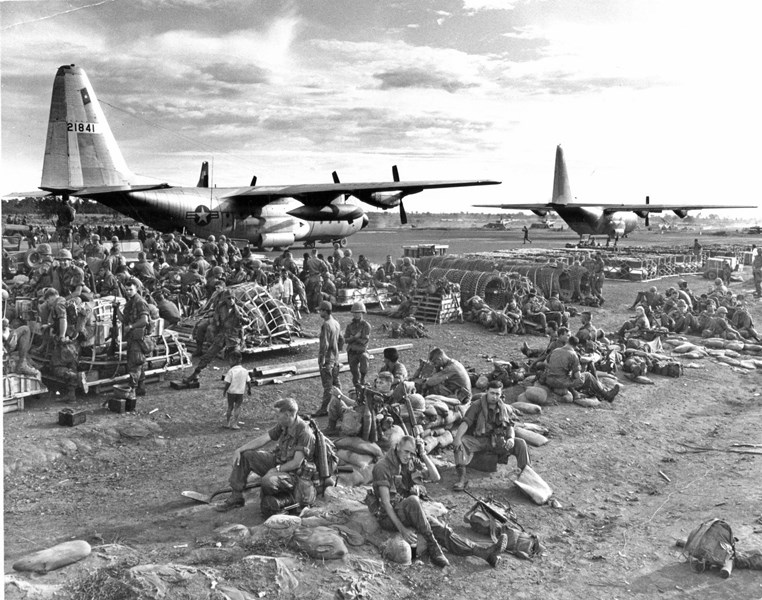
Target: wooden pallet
pixel 429 308
pixel 367 295
pixel 17 387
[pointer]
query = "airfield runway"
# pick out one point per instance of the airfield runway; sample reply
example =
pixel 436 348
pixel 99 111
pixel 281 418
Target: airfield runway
pixel 376 244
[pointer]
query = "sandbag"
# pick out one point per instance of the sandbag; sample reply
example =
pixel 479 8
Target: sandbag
pixel 734 345
pixel 587 402
pixel 389 438
pixel 729 361
pixel 536 395
pixel 748 364
pixel 445 439
pixel 441 407
pixel 732 354
pixel 357 477
pixel 715 353
pixel 694 354
pixel 527 408
pixel 643 379
pixel 686 347
pixel 535 427
pixel 534 486
pixel 757 363
pixel 351 423
pixel 752 348
pixel 431 443
pixel 53 558
pixel 357 444
pixel 356 459
pixel 530 437
pixel 319 542
pixel 447 400
pixel 714 343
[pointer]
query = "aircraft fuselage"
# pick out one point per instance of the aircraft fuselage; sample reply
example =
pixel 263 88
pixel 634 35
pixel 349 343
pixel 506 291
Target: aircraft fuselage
pixel 592 221
pixel 206 211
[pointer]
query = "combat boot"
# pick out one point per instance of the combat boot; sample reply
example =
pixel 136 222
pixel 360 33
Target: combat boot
pixel 236 500
pixel 492 553
pixel 438 558
pixel 24 368
pixel 140 390
pixel 611 394
pixel 193 377
pixel 462 482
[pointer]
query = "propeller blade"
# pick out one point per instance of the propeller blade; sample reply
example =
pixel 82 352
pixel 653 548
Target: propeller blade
pixel 648 220
pixel 395 173
pixel 253 181
pixel 335 176
pixel 403 214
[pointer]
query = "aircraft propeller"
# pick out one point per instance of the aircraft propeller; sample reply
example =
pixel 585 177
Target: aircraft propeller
pixel 403 214
pixel 335 176
pixel 253 181
pixel 648 201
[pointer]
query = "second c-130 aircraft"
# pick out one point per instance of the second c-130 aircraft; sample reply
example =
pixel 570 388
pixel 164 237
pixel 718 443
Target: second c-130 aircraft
pixel 611 220
pixel 83 160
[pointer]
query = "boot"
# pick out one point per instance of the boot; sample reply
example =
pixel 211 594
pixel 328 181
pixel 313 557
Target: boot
pixel 236 500
pixel 24 368
pixel 141 389
pixel 611 394
pixel 438 558
pixel 462 482
pixel 492 552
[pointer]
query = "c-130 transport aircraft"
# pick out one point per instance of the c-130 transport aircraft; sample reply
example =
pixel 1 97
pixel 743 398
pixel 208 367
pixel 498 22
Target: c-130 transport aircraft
pixel 611 220
pixel 82 159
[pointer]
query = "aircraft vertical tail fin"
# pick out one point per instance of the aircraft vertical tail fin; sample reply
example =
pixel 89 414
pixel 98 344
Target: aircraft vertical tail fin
pixel 561 190
pixel 80 150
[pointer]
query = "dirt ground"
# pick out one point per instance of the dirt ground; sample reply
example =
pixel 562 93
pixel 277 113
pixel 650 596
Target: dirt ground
pixel 115 482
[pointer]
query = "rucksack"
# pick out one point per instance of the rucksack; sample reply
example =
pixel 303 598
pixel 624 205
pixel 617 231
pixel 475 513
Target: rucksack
pixel 520 543
pixel 711 544
pixel 81 320
pixel 668 368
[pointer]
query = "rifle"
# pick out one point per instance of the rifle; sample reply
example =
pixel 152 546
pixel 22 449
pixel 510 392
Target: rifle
pixel 113 348
pixel 504 517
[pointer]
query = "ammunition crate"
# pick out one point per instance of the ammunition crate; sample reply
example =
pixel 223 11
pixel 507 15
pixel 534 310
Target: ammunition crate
pixel 70 417
pixel 117 405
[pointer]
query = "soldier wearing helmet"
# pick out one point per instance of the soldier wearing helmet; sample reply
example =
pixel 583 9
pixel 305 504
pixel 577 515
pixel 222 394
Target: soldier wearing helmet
pixel 328 355
pixel 256 274
pixel 173 249
pixel 314 268
pixel 409 275
pixel 69 279
pixel 94 248
pixel 356 337
pixel 347 264
pixel 201 263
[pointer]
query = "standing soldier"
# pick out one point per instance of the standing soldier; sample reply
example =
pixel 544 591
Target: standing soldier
pixel 756 270
pixel 357 336
pixel 66 216
pixel 314 268
pixel 135 329
pixel 328 355
pixel 526 234
pixel 598 277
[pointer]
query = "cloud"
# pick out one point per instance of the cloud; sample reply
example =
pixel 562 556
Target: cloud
pixel 420 78
pixel 236 73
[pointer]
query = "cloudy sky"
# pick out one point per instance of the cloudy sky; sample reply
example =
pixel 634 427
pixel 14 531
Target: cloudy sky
pixel 657 97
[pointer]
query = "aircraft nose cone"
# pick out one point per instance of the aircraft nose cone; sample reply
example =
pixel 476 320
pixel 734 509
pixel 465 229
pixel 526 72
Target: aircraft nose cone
pixel 365 221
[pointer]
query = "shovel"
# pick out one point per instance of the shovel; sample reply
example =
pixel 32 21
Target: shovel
pixel 199 497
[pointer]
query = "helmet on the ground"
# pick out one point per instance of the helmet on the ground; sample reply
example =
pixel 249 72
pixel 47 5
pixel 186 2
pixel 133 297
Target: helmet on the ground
pixel 359 307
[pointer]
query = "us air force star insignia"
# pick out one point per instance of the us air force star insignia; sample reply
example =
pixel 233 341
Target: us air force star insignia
pixel 202 215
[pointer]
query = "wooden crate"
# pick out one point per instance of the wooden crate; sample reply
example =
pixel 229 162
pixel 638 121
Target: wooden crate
pixel 17 387
pixel 430 308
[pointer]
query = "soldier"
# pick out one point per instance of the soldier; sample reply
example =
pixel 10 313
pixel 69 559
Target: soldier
pixel 314 268
pixel 173 249
pixel 64 355
pixel 225 325
pixel 394 366
pixel 598 277
pixel 347 264
pixel 487 426
pixel 94 248
pixel 389 268
pixel 65 223
pixel 451 378
pixel 408 276
pixel 396 502
pixel 41 276
pixel 742 320
pixel 256 274
pixel 106 283
pixel 136 329
pixel 328 356
pixel 756 270
pixel 356 337
pixel 71 279
pixel 143 270
pixel 210 248
pixel 279 469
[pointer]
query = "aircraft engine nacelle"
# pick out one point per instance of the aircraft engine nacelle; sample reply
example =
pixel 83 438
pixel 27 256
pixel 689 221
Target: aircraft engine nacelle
pixel 643 214
pixel 329 212
pixel 383 200
pixel 276 240
pixel 540 213
pixel 681 213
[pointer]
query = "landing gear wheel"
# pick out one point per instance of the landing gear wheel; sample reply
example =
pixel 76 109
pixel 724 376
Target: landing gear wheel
pixel 343 242
pixel 309 245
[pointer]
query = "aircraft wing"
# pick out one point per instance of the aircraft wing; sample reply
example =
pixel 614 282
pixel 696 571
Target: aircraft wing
pixel 649 208
pixel 320 194
pixel 534 206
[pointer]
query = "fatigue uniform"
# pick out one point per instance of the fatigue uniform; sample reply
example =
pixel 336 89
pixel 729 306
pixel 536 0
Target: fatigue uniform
pixel 297 437
pixel 490 429
pixel 357 335
pixel 226 327
pixel 137 348
pixel 451 380
pixel 314 268
pixel 401 480
pixel 64 356
pixel 328 358
pixel 756 271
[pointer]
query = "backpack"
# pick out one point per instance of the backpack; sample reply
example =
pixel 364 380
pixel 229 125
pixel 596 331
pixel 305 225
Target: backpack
pixel 635 365
pixel 520 543
pixel 711 544
pixel 81 320
pixel 668 368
